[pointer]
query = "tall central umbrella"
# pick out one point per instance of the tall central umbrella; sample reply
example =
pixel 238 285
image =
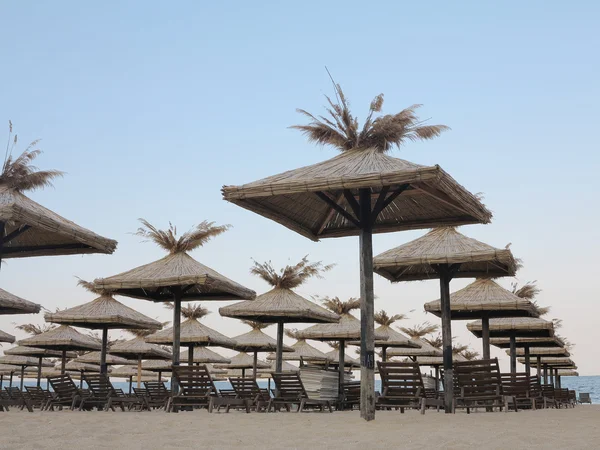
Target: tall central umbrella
pixel 177 277
pixel 256 341
pixel 281 304
pixel 444 254
pixel 193 333
pixel 360 192
pixel 23 361
pixel 39 353
pixel 103 313
pixel 63 338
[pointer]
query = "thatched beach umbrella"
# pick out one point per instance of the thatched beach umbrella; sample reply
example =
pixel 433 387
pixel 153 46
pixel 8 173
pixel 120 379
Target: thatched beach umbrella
pixel 177 277
pixel 444 254
pixel 75 366
pixel 63 338
pixel 29 229
pixel 96 357
pixel 7 370
pixel 22 362
pixel 348 328
pixel 426 349
pixel 514 328
pixel 567 373
pixel 5 337
pixel 552 365
pixel 333 357
pixel 256 341
pixel 11 304
pixel 39 353
pixel 243 361
pixel 360 192
pixel 281 304
pixel 193 333
pixel 139 349
pixel 103 313
pixel 303 351
pixel 395 339
pixel 543 351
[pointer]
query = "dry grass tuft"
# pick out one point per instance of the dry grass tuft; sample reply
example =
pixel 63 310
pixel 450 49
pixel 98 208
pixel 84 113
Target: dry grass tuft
pixel 289 277
pixel 382 318
pixel 418 331
pixel 334 304
pixel 191 311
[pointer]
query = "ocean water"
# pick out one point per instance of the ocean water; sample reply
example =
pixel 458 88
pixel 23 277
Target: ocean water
pixel 590 384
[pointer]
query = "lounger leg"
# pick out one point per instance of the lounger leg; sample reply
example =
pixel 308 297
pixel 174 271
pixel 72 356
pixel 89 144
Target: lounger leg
pixel 301 406
pixel 330 408
pixel 422 406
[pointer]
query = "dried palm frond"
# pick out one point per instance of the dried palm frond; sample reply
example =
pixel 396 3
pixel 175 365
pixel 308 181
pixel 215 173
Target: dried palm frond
pixel 33 329
pixel 91 287
pixel 188 241
pixel 435 341
pixel 256 325
pixel 459 348
pixel 343 131
pixel 289 277
pixel 19 173
pixel 382 318
pixel 470 355
pixel 335 344
pixel 109 342
pixel 540 310
pixel 292 333
pixel 566 343
pixel 528 291
pixel 334 304
pixel 418 331
pixel 143 332
pixel 558 323
pixel 191 311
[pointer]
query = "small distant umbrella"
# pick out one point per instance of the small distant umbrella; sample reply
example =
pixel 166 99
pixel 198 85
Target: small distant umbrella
pixel 5 337
pixel 22 362
pixel 243 361
pixel 62 338
pixel 256 341
pixel 426 349
pixel 96 357
pixel 6 370
pixel 103 313
pixel 75 366
pixel 203 355
pixel 543 351
pixel 11 304
pixel 303 351
pixel 567 373
pixel 177 277
pixel 37 353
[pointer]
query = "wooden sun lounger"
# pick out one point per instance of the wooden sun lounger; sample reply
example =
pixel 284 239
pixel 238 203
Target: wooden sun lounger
pixel 157 394
pixel 248 389
pixel 350 395
pixel 105 396
pixel 478 384
pixel 195 387
pixel 584 397
pixel 66 393
pixel 38 396
pixel 19 397
pixel 562 397
pixel 518 386
pixel 402 387
pixel 549 395
pixel 290 391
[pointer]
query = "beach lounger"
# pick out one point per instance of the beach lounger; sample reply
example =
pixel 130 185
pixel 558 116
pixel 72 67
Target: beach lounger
pixel 562 397
pixel 402 387
pixel 157 394
pixel 549 395
pixel 66 393
pixel 350 395
pixel 19 397
pixel 518 386
pixel 572 398
pixel 104 396
pixel 195 387
pixel 478 384
pixel 290 391
pixel 248 389
pixel 37 396
pixel 584 397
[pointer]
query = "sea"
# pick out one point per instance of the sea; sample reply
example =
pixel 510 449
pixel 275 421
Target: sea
pixel 589 384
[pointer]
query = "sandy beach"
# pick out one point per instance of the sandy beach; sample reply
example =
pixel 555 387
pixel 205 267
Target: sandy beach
pixel 577 428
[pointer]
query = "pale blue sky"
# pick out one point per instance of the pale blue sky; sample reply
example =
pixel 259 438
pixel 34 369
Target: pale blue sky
pixel 150 107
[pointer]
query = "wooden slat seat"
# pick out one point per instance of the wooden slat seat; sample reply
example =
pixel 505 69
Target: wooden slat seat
pixel 66 393
pixel 478 384
pixel 38 396
pixel 350 395
pixel 248 388
pixel 21 399
pixel 157 394
pixel 104 396
pixel 549 395
pixel 195 387
pixel 518 385
pixel 290 391
pixel 584 397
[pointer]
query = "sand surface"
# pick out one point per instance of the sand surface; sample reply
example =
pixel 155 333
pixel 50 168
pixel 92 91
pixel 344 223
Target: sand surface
pixel 577 428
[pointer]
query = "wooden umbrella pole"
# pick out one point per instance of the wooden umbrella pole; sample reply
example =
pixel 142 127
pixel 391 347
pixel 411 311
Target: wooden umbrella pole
pixel 437 379
pixel 191 355
pixel 447 338
pixel 545 373
pixel 367 299
pixel 527 360
pixel 103 367
pixel 81 379
pixel 539 368
pixel 243 372
pixel 485 336
pixel 39 375
pixel 159 375
pixel 1 381
pixel 176 338
pixel 139 372
pixel 513 353
pixel 254 364
pixel 341 358
pixel 130 382
pixel 384 353
pixel 279 352
pixel 22 376
pixel 63 362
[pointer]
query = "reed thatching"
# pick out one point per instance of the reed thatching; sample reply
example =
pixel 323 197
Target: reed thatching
pixel 62 338
pixel 192 333
pixel 484 297
pixel 519 326
pixel 333 358
pixel 5 337
pixel 111 360
pixel 18 360
pixel 138 348
pixel 11 304
pixel 532 342
pixel 425 349
pixel 568 373
pixel 295 198
pixel 132 371
pixel 243 361
pixel 159 365
pixel 203 355
pixel 7 369
pixel 256 340
pixel 558 362
pixel 394 339
pixel 159 280
pixel 81 367
pixel 542 351
pixel 37 352
pixel 302 351
pixel 416 259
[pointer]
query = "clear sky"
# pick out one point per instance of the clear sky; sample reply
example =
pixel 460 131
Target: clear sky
pixel 150 107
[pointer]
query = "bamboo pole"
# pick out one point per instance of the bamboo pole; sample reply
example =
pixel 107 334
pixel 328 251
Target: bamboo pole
pixel 367 299
pixel 22 377
pixel 485 336
pixel 176 338
pixel 2 234
pixel 103 366
pixel 447 339
pixel 279 352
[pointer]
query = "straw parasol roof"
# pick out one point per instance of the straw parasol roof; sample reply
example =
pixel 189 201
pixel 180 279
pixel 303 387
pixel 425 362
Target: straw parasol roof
pixel 18 360
pixel 334 359
pixel 203 355
pixel 243 361
pixel 426 349
pixel 484 296
pixel 302 351
pixel 103 312
pixel 527 341
pixel 558 362
pixel 62 337
pixel 192 332
pixel 131 371
pixel 5 337
pixel 416 259
pixel 347 328
pixel 37 352
pixel 521 326
pixel 158 365
pixel 94 358
pixel 568 373
pixel 11 304
pixel 394 338
pixel 81 367
pixel 543 351
pixel 257 341
pixel 7 369
pixel 138 348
